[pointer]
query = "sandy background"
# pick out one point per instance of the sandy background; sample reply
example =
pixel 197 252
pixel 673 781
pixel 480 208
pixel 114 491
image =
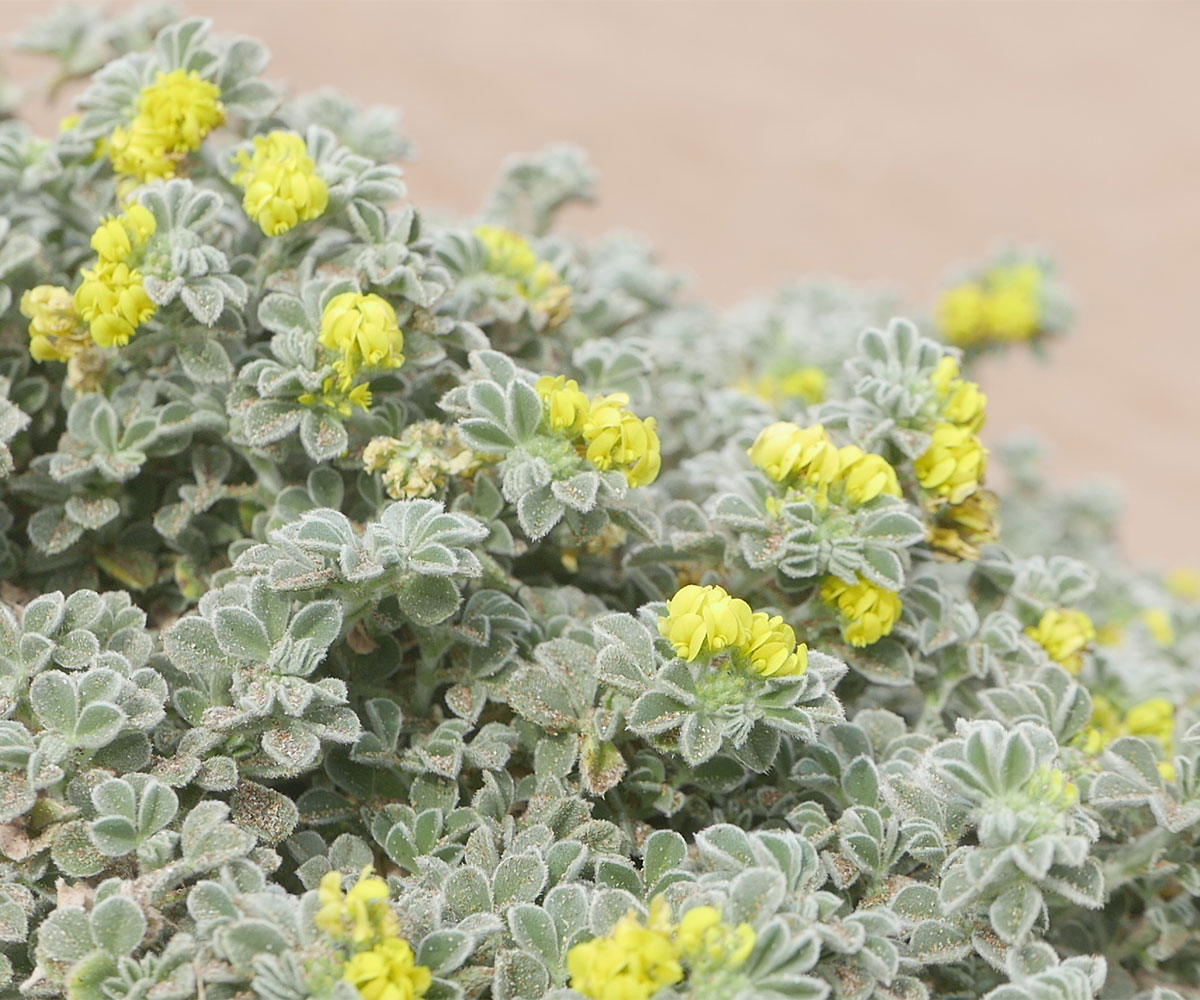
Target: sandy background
pixel 877 141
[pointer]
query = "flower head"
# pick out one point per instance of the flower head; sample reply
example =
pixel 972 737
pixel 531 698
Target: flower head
pixel 808 383
pixel 960 402
pixel 708 944
pixel 705 619
pixel 55 333
pixel 1183 583
pixel 616 438
pixel 113 301
pixel 1064 633
pixel 1003 304
pixel 338 397
pixel 174 115
pixel 771 647
pixel 388 971
pixel 954 464
pixel 363 330
pixel 509 256
pixel 122 237
pixel 864 475
pixel 785 451
pixel 359 916
pixel 632 962
pixel 281 184
pixel 868 611
pixel 566 404
pixel 1152 719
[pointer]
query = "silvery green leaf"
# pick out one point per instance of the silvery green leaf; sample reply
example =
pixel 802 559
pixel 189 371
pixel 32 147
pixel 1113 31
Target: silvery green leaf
pixel 119 925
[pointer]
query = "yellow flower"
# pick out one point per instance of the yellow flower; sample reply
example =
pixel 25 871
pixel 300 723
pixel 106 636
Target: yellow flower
pixel 359 916
pixel 808 383
pixel 632 962
pixel 112 300
pixel 1064 633
pixel 1153 719
pixel 705 619
pixel 1013 308
pixel 1158 621
pixel 961 402
pixel 55 333
pixel 616 438
pixel 174 115
pixel 868 611
pixel 334 396
pixel 1003 305
pixel 960 313
pixel 771 647
pixel 785 451
pixel 1184 583
pixel 388 971
pixel 708 944
pixel 954 463
pixel 1050 785
pixel 120 238
pixel 363 330
pixel 962 528
pixel 565 402
pixel 281 183
pixel 865 475
pixel 510 256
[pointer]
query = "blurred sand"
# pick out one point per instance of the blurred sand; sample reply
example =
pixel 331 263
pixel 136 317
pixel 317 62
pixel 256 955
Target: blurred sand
pixel 752 142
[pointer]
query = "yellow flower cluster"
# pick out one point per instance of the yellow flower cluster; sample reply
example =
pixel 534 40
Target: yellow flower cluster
pixel 1064 634
pixel 174 114
pixel 55 333
pixel 960 401
pixel 1183 583
pixel 952 468
pixel 607 432
pixel 868 611
pixel 1004 305
pixel 510 256
pixel 281 183
pixel 808 383
pixel 1158 623
pixel 953 465
pixel 1153 719
pixel 787 452
pixel 381 964
pixel 1050 786
pixel 865 475
pixel 708 620
pixel 421 460
pixel 112 298
pixel 363 332
pixel 807 456
pixel 635 960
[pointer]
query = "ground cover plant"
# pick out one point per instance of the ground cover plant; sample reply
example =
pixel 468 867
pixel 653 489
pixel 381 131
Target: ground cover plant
pixel 407 608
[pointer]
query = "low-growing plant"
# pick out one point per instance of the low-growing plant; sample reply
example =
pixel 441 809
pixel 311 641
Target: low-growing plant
pixel 407 608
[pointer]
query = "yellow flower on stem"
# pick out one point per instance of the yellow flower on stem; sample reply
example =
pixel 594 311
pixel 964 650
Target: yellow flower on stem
pixel 510 256
pixel 953 465
pixel 705 619
pixel 785 451
pixel 566 404
pixel 363 330
pixel 708 944
pixel 616 438
pixel 174 114
pixel 868 611
pixel 865 475
pixel 55 333
pixel 1064 634
pixel 771 647
pixel 281 184
pixel 632 962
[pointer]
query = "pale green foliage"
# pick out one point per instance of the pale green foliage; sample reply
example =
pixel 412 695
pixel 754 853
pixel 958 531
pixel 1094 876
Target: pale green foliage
pixel 231 662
